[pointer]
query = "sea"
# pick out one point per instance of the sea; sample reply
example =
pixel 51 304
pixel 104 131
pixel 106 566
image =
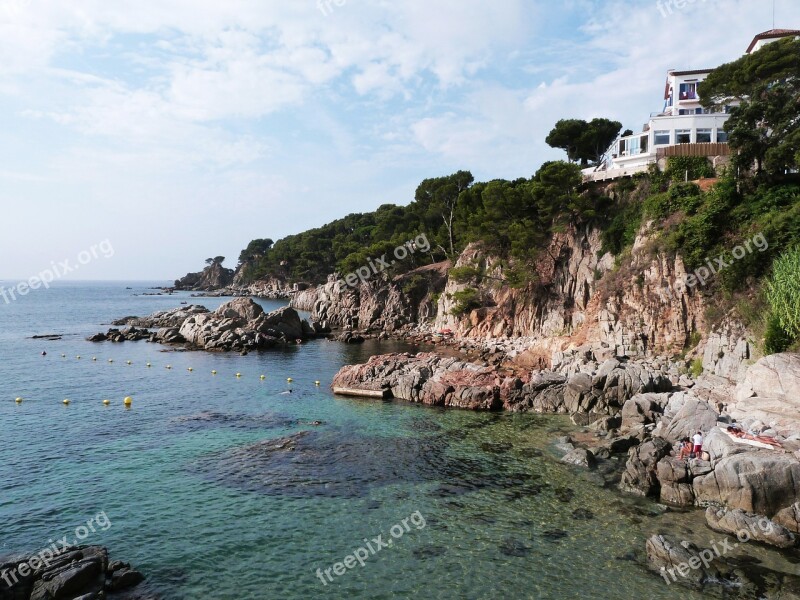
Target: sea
pixel 227 486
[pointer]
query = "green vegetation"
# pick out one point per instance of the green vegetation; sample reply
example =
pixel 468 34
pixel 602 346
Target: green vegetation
pixel 764 128
pixel 513 219
pixel 783 295
pixel 697 367
pixel 584 142
pixel 465 300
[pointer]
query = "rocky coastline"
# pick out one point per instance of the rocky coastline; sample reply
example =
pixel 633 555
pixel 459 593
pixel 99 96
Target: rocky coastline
pixel 633 413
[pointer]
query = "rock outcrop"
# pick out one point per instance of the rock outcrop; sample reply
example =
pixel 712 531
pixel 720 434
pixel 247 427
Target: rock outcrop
pixel 769 395
pixel 377 304
pixel 74 573
pixel 213 277
pixel 433 379
pixel 748 526
pixel 240 324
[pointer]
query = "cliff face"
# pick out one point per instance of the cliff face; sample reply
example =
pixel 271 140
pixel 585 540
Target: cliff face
pixel 213 277
pixel 633 305
pixel 376 304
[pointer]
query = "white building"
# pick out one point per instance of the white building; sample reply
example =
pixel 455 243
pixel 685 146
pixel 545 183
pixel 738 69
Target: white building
pixel 682 128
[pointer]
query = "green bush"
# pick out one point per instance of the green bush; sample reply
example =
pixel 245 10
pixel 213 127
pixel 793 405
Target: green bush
pixel 697 166
pixel 783 292
pixel 697 367
pixel 776 339
pixel 465 301
pixel 464 274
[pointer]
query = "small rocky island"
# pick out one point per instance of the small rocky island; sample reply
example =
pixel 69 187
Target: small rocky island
pixel 238 325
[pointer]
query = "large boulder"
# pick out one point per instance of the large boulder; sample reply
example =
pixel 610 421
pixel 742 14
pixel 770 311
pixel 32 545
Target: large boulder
pixel 643 409
pixel 748 526
pixel 692 415
pixel 770 393
pixel 640 476
pixel 285 320
pixel 240 308
pixel 759 481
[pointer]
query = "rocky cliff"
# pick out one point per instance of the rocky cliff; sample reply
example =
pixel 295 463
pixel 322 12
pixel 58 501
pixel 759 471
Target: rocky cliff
pixel 378 304
pixel 632 305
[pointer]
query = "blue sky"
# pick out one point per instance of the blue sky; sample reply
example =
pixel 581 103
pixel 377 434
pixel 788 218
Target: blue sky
pixel 182 129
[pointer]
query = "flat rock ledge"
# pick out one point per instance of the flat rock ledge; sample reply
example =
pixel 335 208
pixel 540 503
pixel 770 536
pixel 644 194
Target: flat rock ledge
pixel 75 573
pixel 238 325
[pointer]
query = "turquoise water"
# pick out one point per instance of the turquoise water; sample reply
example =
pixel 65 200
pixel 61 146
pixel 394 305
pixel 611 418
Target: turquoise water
pixel 173 478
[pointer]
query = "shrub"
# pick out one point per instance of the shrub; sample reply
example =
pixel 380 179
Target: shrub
pixel 465 301
pixel 783 293
pixel 697 367
pixel 776 339
pixel 464 274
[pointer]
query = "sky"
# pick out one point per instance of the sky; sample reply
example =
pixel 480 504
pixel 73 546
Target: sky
pixel 176 130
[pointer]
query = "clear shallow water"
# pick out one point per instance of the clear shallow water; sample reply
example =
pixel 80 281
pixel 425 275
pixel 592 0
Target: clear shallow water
pixel 499 511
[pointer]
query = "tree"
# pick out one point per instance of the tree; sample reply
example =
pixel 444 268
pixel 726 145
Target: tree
pixel 582 141
pixel 597 138
pixel 218 260
pixel 763 128
pixel 567 135
pixel 554 188
pixel 439 197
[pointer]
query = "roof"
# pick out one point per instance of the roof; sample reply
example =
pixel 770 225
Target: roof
pixel 685 73
pixel 771 35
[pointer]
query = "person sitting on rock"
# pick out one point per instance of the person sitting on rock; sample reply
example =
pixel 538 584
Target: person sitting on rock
pixel 739 433
pixel 686 449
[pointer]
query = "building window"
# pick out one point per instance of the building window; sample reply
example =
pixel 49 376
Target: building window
pixel 722 136
pixel 683 136
pixel 688 91
pixel 662 138
pixel 685 111
pixel 703 136
pixel 644 140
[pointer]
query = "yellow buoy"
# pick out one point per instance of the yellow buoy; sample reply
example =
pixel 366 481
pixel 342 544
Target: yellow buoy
pixel 289 379
pixel 127 362
pixel 66 401
pixel 18 400
pixel 263 377
pixel 316 383
pixel 94 358
pixel 106 402
pixel 128 401
pixel 213 372
pixel 111 360
pixel 238 375
pixel 169 366
pixel 78 357
pixel 190 369
pixel 63 356
pixel 149 365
